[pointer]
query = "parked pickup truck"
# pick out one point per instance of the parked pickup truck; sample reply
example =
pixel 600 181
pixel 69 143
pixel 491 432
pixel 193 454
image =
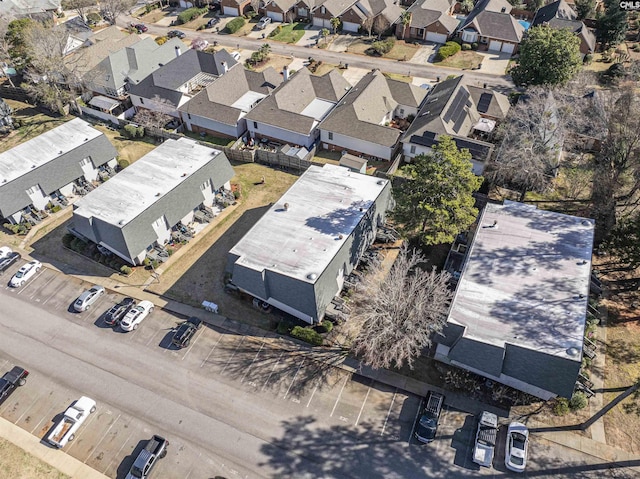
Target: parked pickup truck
pixel 486 439
pixel 65 429
pixel 11 380
pixel 155 448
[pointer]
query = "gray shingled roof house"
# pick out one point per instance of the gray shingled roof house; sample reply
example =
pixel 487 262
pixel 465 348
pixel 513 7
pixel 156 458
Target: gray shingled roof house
pixel 360 124
pixel 220 108
pixel 431 20
pixel 130 64
pixel 560 15
pixel 28 8
pixel 292 113
pixel 519 312
pixel 457 110
pixel 49 164
pixel 179 80
pixel 139 206
pixel 490 23
pixel 296 256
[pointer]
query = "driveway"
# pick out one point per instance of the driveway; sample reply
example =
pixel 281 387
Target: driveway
pixel 263 34
pixel 310 37
pixel 494 63
pixel 425 54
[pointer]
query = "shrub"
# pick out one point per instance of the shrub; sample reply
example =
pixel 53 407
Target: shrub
pixel 307 335
pixel 447 50
pixel 154 264
pixel 93 18
pixel 284 327
pixel 588 58
pixel 130 131
pixel 382 47
pixel 169 251
pixel 140 132
pixel 457 40
pixel 146 262
pixel 123 164
pixel 67 239
pixel 161 40
pixel 201 27
pixel 251 14
pixel 561 407
pixel 56 208
pixel 191 13
pixel 325 327
pixel 466 46
pixel 126 270
pixel 474 46
pixel 236 24
pixel 578 401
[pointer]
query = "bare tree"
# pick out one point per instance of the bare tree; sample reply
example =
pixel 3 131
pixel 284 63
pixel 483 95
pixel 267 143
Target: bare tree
pixel 367 23
pixel 5 46
pixel 255 5
pixel 82 7
pixel 156 117
pixel 112 9
pixel 401 312
pixel 380 25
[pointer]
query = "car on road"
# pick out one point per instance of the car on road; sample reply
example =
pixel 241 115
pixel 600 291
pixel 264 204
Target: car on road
pixel 262 23
pixel 5 251
pixel 118 311
pixel 176 34
pixel 8 261
pixel 428 421
pixel 140 27
pixel 136 315
pixel 515 455
pixel 184 333
pixel 86 299
pixel 212 21
pixel 11 380
pixel 25 273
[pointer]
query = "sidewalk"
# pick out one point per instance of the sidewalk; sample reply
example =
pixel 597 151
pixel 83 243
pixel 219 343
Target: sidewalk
pixel 56 458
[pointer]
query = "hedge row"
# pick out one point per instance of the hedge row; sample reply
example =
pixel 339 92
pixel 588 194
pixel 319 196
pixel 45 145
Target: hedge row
pixel 447 50
pixel 236 24
pixel 191 13
pixel 307 335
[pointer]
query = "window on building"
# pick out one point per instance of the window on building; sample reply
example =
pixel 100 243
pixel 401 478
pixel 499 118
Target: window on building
pixel 206 185
pixel 255 125
pixel 330 135
pixel 413 148
pixel 402 111
pixel 160 223
pixel 324 10
pixel 85 161
pixel 33 190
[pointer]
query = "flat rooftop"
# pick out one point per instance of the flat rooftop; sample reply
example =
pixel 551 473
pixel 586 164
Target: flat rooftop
pixel 526 280
pixel 318 109
pixel 133 190
pixel 324 207
pixel 44 148
pixel 248 100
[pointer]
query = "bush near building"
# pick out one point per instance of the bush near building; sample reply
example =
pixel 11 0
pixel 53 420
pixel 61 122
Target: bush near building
pixel 236 24
pixel 191 13
pixel 447 50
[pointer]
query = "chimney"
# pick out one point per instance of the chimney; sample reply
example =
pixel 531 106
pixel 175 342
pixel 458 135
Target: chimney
pixel 225 67
pixel 503 10
pixel 178 51
pixel 285 73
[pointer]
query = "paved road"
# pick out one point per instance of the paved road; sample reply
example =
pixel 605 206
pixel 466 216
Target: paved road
pixel 500 83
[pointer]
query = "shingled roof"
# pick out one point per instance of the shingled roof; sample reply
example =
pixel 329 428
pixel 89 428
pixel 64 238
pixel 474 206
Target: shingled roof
pixel 284 107
pixel 491 18
pixel 217 100
pixel 427 12
pixel 560 15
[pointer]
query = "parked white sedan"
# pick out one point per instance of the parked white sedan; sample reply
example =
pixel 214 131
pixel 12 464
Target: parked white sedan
pixel 515 455
pixel 135 315
pixel 25 273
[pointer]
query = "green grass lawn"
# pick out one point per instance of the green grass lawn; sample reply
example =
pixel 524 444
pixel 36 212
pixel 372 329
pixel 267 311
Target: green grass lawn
pixel 288 33
pixel 402 51
pixel 463 60
pixel 210 139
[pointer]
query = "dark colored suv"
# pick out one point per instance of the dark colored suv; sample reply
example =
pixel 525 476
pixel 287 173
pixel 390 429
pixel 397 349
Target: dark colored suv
pixel 118 311
pixel 428 421
pixel 184 333
pixel 11 380
pixel 5 263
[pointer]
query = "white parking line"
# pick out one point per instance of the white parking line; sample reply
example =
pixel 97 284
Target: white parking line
pixel 339 396
pixel 192 344
pixel 254 359
pixel 294 379
pixel 152 337
pixel 94 448
pixel 386 419
pixel 25 411
pixel 272 370
pixel 413 427
pixel 41 287
pixel 51 296
pixel 234 353
pixel 44 417
pixel 314 391
pixel 117 454
pixel 24 288
pixel 211 352
pixel 363 403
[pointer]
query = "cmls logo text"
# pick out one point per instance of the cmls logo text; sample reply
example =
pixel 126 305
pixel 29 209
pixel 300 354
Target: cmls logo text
pixel 635 5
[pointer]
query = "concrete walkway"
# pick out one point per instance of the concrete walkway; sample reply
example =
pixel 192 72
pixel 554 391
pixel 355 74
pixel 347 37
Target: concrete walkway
pixel 56 458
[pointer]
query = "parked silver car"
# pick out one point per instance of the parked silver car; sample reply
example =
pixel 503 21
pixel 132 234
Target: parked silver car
pixel 86 299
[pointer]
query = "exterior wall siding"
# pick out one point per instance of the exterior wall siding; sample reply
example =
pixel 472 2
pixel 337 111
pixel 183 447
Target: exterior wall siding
pixel 281 135
pixel 198 124
pixel 342 142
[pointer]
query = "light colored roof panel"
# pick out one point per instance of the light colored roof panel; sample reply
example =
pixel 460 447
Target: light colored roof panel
pixel 324 207
pixel 318 108
pixel 45 148
pixel 136 188
pixel 248 100
pixel 526 280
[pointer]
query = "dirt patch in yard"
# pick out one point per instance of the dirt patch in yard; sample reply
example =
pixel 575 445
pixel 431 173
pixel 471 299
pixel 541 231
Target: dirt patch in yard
pixel 18 464
pixel 200 275
pixel 463 60
pixel 130 150
pixel 274 61
pixel 154 16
